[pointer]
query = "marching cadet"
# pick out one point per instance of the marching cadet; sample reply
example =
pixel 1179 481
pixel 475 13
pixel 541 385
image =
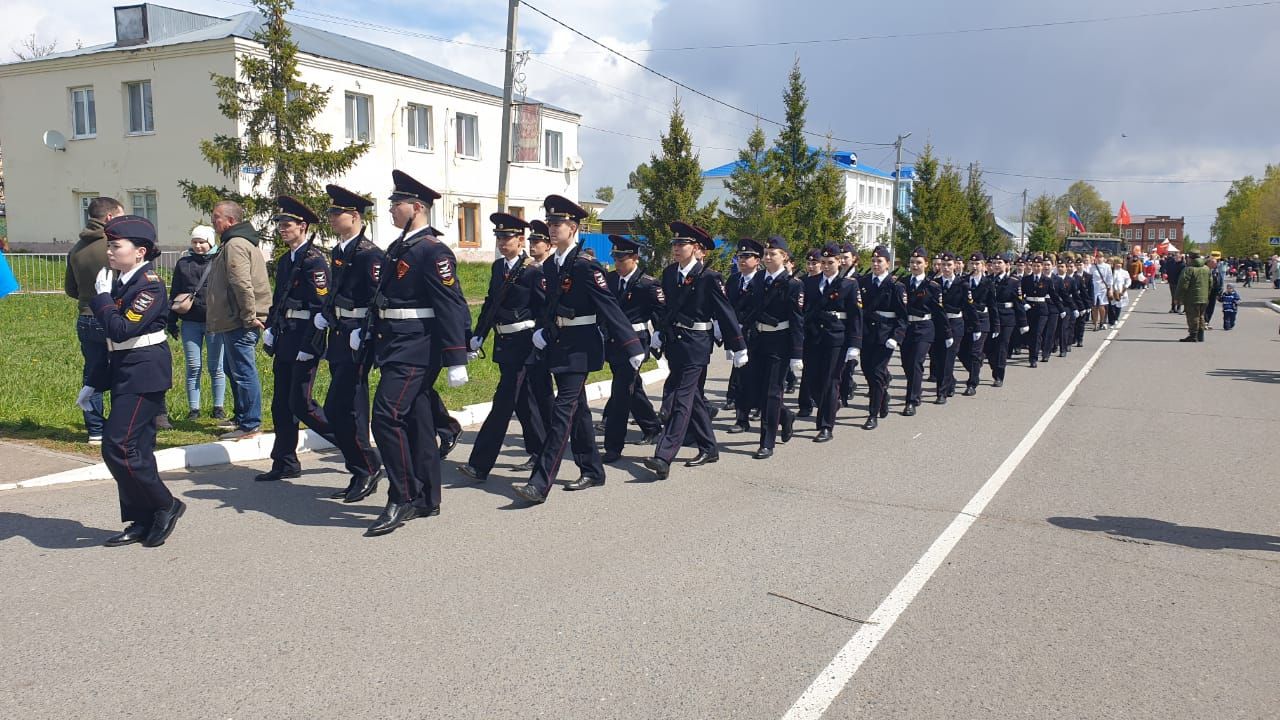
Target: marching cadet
pixel 539 241
pixel 419 324
pixel 302 288
pixel 806 399
pixel 1084 296
pixel 1068 292
pixel 948 326
pixel 535 369
pixel 355 270
pixel 743 393
pixel 777 344
pixel 925 319
pixel 1006 295
pixel 848 376
pixel 695 298
pixel 833 334
pixel 1055 307
pixel 578 304
pixel 884 313
pixel 137 370
pixel 981 321
pixel 514 301
pixel 1037 290
pixel 641 299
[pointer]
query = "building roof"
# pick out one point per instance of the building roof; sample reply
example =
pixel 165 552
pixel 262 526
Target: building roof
pixel 1140 219
pixel 844 159
pixel 171 26
pixel 1013 228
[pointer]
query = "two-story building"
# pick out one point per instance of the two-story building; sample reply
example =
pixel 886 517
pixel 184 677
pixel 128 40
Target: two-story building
pixel 1152 230
pixel 134 111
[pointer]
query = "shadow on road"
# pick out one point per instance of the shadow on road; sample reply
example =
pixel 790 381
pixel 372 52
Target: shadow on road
pixel 52 533
pixel 291 501
pixel 1171 533
pixel 1247 374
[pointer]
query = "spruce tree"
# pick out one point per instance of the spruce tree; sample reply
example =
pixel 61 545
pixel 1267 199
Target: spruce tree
pixel 939 216
pixel 750 210
pixel 669 187
pixel 986 236
pixel 825 218
pixel 275 110
pixel 1043 236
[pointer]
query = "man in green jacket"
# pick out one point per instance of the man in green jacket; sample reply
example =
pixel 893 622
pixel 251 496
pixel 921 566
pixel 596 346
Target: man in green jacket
pixel 1192 293
pixel 84 262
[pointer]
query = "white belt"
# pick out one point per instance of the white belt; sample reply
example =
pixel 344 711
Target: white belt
pixel 1008 306
pixel 298 314
pixel 153 338
pixel 640 327
pixel 887 314
pixel 407 313
pixel 352 313
pixel 838 314
pixel 773 328
pixel 575 322
pixel 918 318
pixel 704 326
pixel 514 327
pixel 1035 299
pixel 955 316
pixel 983 311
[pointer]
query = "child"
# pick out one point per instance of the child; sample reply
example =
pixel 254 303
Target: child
pixel 133 307
pixel 1230 302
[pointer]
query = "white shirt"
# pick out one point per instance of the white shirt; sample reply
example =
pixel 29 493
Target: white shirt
pixel 946 281
pixel 125 278
pixel 770 277
pixel 342 246
pixel 686 269
pixel 746 279
pixel 513 261
pixel 917 280
pixel 827 281
pixel 880 278
pixel 625 280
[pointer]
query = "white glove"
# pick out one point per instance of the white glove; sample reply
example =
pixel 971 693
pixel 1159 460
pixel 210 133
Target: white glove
pixel 1075 314
pixel 457 375
pixel 268 338
pixel 739 358
pixel 475 344
pixel 539 340
pixel 797 366
pixel 977 336
pixel 715 330
pixel 1026 307
pixel 354 340
pixel 319 321
pixel 891 344
pixel 851 354
pixel 728 354
pixel 655 341
pixel 949 342
pixel 636 361
pixel 305 356
pixel 102 283
pixel 1024 329
pixel 472 356
pixel 1062 314
pixel 82 398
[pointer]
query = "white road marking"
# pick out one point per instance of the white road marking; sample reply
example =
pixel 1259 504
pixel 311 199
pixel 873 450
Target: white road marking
pixel 917 435
pixel 836 675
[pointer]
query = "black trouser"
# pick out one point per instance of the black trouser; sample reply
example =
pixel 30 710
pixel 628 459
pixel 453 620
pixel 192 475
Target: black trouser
pixel 539 379
pixel 942 359
pixel 1049 334
pixel 826 367
pixel 1066 332
pixel 998 349
pixel 514 394
pixel 971 355
pixel 1113 314
pixel 688 413
pixel 346 406
pixel 847 382
pixel 1081 322
pixel 735 382
pixel 1210 306
pixel 1038 321
pixel 404 428
pixel 750 394
pixel 914 350
pixel 809 379
pixel 627 399
pixel 1173 295
pixel 291 403
pixel 770 379
pixel 570 424
pixel 129 452
pixel 875 368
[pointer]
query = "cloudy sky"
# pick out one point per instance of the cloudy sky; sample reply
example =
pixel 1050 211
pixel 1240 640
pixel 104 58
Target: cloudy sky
pixel 1184 97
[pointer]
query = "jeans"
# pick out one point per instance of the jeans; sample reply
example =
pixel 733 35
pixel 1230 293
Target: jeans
pixel 240 360
pixel 93 346
pixel 193 335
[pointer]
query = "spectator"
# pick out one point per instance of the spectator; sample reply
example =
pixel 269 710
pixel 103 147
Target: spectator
pixel 1134 267
pixel 1219 279
pixel 237 298
pixel 1173 266
pixel 84 262
pixel 1119 295
pixel 187 298
pixel 1100 271
pixel 1230 304
pixel 1192 294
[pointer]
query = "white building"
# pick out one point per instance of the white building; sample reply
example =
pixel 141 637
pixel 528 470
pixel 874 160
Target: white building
pixel 134 112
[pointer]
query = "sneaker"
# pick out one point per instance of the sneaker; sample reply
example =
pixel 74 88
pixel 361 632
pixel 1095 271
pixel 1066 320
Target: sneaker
pixel 192 415
pixel 241 434
pixel 219 413
pixel 95 439
pixel 227 424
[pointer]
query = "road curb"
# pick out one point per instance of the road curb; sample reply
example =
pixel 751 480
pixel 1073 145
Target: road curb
pixel 225 452
pixel 1273 306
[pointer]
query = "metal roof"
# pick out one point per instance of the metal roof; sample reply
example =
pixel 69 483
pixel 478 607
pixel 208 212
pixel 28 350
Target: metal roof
pixel 844 159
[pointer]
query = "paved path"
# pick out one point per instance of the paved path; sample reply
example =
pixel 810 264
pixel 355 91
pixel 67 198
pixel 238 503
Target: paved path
pixel 23 461
pixel 1128 567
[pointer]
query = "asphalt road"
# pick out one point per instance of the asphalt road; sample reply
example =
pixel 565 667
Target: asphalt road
pixel 1127 568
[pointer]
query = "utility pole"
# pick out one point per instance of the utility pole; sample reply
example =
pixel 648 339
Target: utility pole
pixel 508 92
pixel 893 213
pixel 1023 231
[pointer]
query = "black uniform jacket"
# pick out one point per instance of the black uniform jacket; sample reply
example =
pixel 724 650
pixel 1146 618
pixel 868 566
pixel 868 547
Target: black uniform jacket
pixel 516 296
pixel 700 298
pixel 302 284
pixel 354 274
pixel 884 310
pixel 1007 296
pixel 138 308
pixel 926 301
pixel 824 328
pixel 420 272
pixel 642 303
pixel 781 302
pixel 577 289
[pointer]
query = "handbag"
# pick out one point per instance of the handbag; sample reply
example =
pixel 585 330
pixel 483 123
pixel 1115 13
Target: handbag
pixel 181 303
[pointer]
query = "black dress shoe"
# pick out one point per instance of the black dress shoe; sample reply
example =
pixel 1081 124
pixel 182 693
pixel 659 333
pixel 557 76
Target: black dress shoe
pixel 804 413
pixel 162 422
pixel 447 444
pixel 844 402
pixel 997 383
pixel 163 524
pixel 610 457
pixel 1189 338
pixel 1033 363
pixel 136 532
pixel 364 487
pixel 738 428
pixel 273 474
pixel 763 454
pixel 970 391
pixel 788 425
pixel 1062 353
pixel 528 492
pixel 660 467
pixel 472 473
pixel 421 512
pixel 909 410
pixel 703 458
pixel 598 427
pixel 871 424
pixel 584 482
pixel 339 494
pixel 650 438
pixel 755 414
pixel 824 435
pixel 791 387
pixel 527 465
pixel 942 400
pixel 393 516
pixel 728 405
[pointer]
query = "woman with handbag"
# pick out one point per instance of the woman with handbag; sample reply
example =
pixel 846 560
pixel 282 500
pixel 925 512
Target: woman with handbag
pixel 187 292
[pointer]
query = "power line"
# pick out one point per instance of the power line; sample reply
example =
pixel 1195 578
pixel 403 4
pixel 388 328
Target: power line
pixel 649 139
pixel 1133 180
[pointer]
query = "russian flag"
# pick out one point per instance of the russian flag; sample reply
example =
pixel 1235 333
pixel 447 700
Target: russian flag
pixel 1075 219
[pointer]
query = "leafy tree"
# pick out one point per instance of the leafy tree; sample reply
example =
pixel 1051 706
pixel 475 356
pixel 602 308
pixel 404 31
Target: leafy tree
pixel 1094 212
pixel 605 193
pixel 986 235
pixel 669 186
pixel 1043 236
pixel 275 110
pixel 1250 215
pixel 750 210
pixel 939 215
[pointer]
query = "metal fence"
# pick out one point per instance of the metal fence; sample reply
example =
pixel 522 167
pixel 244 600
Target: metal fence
pixel 45 272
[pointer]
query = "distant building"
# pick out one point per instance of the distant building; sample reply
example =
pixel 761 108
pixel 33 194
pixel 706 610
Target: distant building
pixel 1151 230
pixel 1012 231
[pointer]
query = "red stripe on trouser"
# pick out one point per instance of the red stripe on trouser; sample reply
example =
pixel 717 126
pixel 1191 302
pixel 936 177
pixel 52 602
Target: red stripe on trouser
pixel 404 457
pixel 128 433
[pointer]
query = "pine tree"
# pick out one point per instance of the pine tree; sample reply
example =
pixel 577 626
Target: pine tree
pixel 753 189
pixel 939 216
pixel 275 109
pixel 792 159
pixel 825 218
pixel 1044 234
pixel 669 187
pixel 986 236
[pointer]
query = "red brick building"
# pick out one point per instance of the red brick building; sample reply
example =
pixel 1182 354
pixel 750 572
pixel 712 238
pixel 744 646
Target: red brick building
pixel 1151 230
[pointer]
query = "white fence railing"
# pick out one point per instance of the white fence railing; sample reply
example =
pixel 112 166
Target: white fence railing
pixel 46 272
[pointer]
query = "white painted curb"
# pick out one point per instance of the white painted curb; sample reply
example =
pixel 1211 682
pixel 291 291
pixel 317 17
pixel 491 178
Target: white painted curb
pixel 225 452
pixel 1273 306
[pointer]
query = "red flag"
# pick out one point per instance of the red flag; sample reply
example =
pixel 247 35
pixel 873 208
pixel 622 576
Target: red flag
pixel 1123 218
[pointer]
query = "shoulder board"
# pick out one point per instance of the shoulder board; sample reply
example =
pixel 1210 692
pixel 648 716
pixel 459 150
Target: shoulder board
pixel 366 244
pixel 315 252
pixel 151 276
pixel 527 261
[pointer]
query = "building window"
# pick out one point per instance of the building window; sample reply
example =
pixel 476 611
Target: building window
pixel 468 135
pixel 1151 233
pixel 141 118
pixel 862 194
pixel 359 127
pixel 517 211
pixel 469 225
pixel 1161 233
pixel 553 149
pixel 1173 233
pixel 84 113
pixel 144 204
pixel 83 199
pixel 1128 234
pixel 420 127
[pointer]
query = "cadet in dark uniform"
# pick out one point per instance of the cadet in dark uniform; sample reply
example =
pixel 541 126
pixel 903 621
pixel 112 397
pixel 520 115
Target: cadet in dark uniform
pixel 1068 311
pixel 354 273
pixel 1037 290
pixel 956 302
pixel 778 343
pixel 1084 299
pixel 884 314
pixel 302 288
pixel 536 368
pixel 419 324
pixel 981 319
pixel 641 299
pixel 925 320
pixel 806 399
pixel 137 370
pixel 848 376
pixel 695 298
pixel 744 392
pixel 578 303
pixel 1006 294
pixel 833 334
pixel 510 309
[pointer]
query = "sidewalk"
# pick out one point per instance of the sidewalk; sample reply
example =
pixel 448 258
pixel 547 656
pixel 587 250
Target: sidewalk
pixel 23 462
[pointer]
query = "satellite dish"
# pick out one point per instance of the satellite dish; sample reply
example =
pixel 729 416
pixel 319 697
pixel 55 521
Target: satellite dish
pixel 55 140
pixel 573 162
